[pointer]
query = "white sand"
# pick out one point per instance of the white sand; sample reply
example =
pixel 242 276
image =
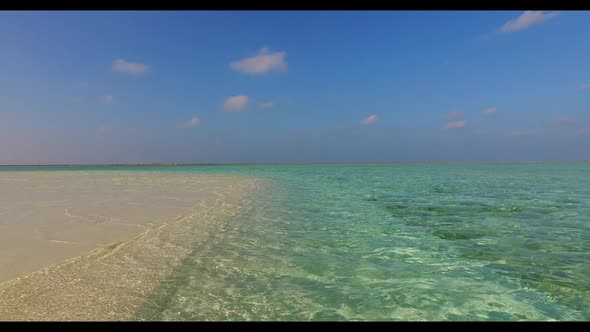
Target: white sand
pixel 143 225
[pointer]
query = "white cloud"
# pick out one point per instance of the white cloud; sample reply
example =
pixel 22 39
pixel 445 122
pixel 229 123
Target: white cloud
pixel 584 86
pixel 489 111
pixel 107 99
pixel 455 124
pixel 236 103
pixel 133 68
pixel 370 120
pixel 526 20
pixel 455 115
pixel 261 63
pixel 583 132
pixel 191 123
pixel 267 104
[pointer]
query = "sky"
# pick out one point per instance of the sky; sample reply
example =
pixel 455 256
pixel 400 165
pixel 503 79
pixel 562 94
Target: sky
pixel 293 86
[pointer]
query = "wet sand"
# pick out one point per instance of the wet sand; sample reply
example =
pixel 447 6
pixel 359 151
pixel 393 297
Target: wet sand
pixel 94 245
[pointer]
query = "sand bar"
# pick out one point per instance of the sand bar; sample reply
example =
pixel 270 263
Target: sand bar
pixel 93 245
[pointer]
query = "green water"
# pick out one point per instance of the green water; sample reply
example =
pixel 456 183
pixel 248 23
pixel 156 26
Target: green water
pixel 393 242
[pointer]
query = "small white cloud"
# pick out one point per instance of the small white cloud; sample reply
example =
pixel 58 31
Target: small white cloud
pixel 454 115
pixel 261 63
pixel 583 132
pixel 236 103
pixel 455 124
pixel 191 123
pixel 526 20
pixel 267 104
pixel 133 68
pixel 584 86
pixel 370 120
pixel 489 111
pixel 107 99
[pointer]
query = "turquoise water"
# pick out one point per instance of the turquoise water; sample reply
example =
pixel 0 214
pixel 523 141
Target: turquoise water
pixel 392 242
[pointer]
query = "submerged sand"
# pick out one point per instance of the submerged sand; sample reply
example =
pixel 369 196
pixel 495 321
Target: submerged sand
pixel 94 245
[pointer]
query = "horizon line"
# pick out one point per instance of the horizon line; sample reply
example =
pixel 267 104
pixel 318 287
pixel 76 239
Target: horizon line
pixel 295 163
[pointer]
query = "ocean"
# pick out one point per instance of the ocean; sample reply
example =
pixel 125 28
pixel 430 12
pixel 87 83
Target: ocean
pixel 335 242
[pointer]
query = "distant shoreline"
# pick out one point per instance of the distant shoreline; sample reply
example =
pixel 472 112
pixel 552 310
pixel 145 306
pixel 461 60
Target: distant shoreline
pixel 302 163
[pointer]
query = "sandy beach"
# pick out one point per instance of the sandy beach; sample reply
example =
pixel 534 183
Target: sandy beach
pixel 93 245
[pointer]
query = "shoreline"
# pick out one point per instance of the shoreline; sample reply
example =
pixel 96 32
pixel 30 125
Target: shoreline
pixel 112 281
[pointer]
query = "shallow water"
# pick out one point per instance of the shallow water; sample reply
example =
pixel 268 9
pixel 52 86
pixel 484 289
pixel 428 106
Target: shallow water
pixel 67 282
pixel 392 242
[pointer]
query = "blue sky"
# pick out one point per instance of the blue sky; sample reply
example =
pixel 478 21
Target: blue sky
pixel 140 87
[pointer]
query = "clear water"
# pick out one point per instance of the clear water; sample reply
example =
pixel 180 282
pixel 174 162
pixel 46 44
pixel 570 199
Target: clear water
pixel 393 242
